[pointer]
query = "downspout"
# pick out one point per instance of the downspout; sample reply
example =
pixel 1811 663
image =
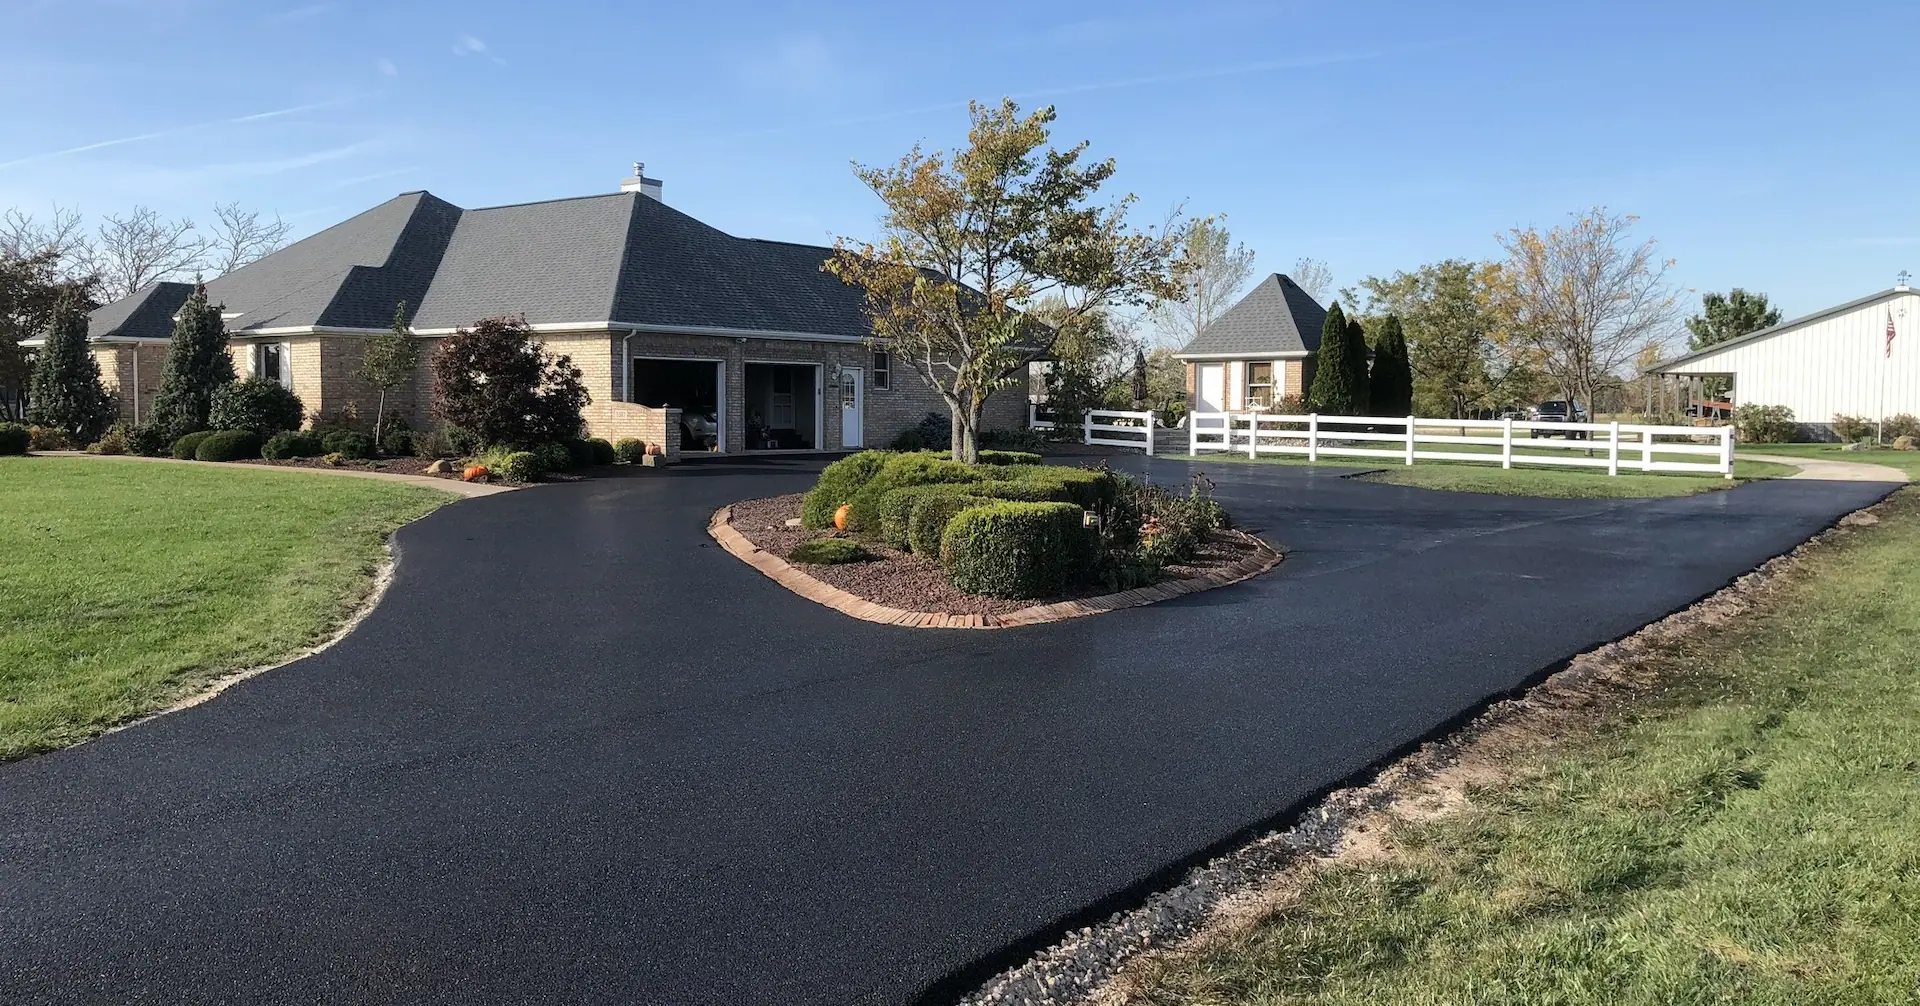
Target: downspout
pixel 136 384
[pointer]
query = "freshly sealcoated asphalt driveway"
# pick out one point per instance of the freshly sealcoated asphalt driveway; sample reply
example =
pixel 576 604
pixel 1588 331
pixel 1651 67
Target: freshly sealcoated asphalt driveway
pixel 579 754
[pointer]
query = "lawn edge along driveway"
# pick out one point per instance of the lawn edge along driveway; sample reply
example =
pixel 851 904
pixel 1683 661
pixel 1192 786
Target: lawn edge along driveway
pixel 127 589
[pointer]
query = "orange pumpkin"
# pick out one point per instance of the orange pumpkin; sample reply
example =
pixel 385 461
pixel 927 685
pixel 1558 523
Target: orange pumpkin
pixel 656 450
pixel 474 473
pixel 840 516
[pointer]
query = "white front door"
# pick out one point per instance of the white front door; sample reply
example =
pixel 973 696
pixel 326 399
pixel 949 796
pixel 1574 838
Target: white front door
pixel 853 401
pixel 1213 388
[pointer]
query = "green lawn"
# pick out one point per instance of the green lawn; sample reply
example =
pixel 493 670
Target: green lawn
pixel 1906 461
pixel 1743 832
pixel 126 585
pixel 1460 476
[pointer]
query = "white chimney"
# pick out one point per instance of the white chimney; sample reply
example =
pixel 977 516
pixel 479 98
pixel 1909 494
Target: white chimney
pixel 649 187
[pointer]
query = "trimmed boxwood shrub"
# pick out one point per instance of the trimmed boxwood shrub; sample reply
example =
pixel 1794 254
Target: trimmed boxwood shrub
pixel 897 506
pixel 630 451
pixel 1009 458
pixel 187 447
pixel 837 485
pixel 291 444
pixel 399 444
pixel 1021 492
pixel 14 438
pixel 602 450
pixel 829 552
pixel 147 440
pixel 350 444
pixel 1015 550
pixel 554 457
pixel 265 407
pixel 900 471
pixel 228 445
pixel 517 466
pixel 928 524
pixel 1090 488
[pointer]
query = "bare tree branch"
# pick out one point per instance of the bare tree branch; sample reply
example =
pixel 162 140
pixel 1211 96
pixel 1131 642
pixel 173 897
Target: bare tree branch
pixel 239 236
pixel 143 247
pixel 1211 271
pixel 1313 276
pixel 62 235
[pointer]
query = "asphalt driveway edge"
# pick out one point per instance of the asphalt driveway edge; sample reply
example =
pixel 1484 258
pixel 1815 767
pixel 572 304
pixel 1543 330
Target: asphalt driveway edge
pixel 1168 896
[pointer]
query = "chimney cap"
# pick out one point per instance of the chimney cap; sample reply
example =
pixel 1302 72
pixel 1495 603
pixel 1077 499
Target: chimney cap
pixel 639 182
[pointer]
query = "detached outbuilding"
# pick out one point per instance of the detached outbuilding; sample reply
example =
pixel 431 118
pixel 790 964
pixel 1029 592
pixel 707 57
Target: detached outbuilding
pixel 1258 353
pixel 1861 358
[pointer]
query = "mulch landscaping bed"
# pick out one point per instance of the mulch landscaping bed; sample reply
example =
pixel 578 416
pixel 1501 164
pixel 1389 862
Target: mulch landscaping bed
pixel 398 466
pixel 901 580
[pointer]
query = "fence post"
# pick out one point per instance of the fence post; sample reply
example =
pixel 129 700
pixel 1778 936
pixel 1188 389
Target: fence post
pixel 1726 452
pixel 1149 416
pixel 1313 436
pixel 1033 415
pixel 1087 428
pixel 1613 449
pixel 1409 441
pixel 1646 450
pixel 1193 434
pixel 1506 441
pixel 1253 435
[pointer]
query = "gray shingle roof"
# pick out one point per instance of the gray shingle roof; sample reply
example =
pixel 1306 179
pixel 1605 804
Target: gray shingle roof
pixel 620 257
pixel 1276 316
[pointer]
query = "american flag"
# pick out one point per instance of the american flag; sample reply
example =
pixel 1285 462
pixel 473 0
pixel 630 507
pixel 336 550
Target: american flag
pixel 1889 333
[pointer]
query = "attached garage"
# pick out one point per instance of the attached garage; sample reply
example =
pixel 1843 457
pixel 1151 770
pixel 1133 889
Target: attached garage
pixel 698 388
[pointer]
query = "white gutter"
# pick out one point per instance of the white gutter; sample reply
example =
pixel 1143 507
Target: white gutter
pixel 1296 354
pixel 610 327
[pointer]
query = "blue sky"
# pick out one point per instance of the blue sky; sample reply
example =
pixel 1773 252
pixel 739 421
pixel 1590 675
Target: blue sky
pixel 1770 146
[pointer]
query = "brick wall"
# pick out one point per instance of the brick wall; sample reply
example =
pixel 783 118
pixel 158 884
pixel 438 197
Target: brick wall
pixel 117 366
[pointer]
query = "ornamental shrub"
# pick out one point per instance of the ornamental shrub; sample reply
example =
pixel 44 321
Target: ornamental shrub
pixel 228 445
pixel 1340 371
pixel 292 444
pixel 1765 424
pixel 899 471
pixel 554 457
pixel 1390 381
pixel 1902 425
pixel 927 525
pixel 1851 428
pixel 602 451
pixel 1090 488
pixel 66 393
pixel 837 484
pixel 14 438
pixel 579 452
pixel 197 365
pixel 187 447
pixel 256 404
pixel 517 466
pixel 1009 458
pixel 630 451
pixel 1015 550
pixel 1012 440
pixel 829 552
pixel 350 444
pixel 498 383
pixel 47 438
pixel 146 440
pixel 114 441
pixel 399 444
pixel 897 507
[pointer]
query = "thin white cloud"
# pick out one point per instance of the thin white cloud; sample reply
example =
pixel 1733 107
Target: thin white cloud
pixel 387 68
pixel 123 140
pixel 467 45
pixel 302 13
pixel 182 177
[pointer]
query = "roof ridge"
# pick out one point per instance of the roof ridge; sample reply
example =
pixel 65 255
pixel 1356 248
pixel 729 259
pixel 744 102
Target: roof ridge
pixel 543 202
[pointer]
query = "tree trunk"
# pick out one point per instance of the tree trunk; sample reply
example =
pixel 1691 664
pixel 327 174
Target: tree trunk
pixel 970 433
pixel 379 419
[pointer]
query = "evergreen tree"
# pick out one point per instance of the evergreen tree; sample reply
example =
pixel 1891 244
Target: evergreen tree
pixel 1357 363
pixel 197 364
pixel 1340 370
pixel 1390 382
pixel 67 394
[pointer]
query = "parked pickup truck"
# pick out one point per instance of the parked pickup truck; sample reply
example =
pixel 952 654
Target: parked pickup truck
pixel 1558 412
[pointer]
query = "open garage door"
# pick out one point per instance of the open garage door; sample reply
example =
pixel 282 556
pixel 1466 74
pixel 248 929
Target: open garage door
pixel 696 387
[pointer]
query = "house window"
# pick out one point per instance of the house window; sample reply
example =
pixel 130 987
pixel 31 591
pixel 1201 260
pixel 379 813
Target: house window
pixel 882 370
pixel 270 363
pixel 1259 385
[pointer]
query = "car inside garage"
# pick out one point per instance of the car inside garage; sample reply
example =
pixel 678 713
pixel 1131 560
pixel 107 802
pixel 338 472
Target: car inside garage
pixel 692 386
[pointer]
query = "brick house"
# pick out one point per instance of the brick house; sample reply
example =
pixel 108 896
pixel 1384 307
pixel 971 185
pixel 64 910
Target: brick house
pixel 1257 353
pixel 685 335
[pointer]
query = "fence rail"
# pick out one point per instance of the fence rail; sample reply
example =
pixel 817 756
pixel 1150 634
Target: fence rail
pixel 1110 427
pixel 1629 446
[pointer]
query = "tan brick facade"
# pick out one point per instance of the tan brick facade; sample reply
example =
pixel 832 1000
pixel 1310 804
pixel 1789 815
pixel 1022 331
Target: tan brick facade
pixel 1290 380
pixel 120 363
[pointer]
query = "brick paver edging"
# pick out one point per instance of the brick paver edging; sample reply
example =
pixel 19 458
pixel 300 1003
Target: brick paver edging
pixel 784 574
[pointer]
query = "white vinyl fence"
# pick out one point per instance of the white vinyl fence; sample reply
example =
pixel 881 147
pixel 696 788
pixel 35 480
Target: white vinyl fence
pixel 1103 426
pixel 1613 446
